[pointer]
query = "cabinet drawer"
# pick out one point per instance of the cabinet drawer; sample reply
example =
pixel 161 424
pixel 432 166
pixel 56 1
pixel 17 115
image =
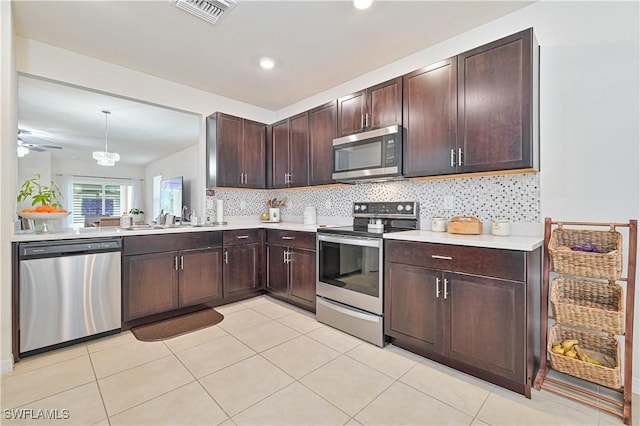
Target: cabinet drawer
pixel 498 263
pixel 304 240
pixel 241 236
pixel 156 243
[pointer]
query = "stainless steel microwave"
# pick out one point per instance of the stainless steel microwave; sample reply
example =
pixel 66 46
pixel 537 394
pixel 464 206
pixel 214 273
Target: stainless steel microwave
pixel 368 156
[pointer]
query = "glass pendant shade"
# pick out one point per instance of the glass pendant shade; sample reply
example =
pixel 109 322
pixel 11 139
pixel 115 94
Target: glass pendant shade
pixel 106 158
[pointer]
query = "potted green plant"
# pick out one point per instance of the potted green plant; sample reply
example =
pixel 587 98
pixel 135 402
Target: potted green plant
pixel 47 196
pixel 138 215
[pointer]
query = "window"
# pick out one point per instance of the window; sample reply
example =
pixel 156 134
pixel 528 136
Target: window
pixel 92 198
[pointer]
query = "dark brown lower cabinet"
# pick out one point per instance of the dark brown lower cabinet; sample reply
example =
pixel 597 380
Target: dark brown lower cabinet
pixel 157 280
pixel 291 267
pixel 480 324
pixel 243 270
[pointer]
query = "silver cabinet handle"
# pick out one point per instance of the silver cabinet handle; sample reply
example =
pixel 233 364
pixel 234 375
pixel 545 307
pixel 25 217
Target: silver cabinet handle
pixel 446 293
pixel 437 287
pixel 366 120
pixel 175 262
pixel 453 157
pixel 226 257
pixel 289 256
pixel 436 256
pixel 459 156
pixel 246 178
pixel 242 237
pixel 182 263
pixel 284 256
pixel 288 238
pixel 362 121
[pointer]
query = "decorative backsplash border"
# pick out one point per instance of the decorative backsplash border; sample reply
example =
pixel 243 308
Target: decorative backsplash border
pixel 513 197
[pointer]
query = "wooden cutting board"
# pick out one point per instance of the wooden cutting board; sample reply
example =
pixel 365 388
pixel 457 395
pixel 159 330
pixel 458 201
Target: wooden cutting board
pixel 465 225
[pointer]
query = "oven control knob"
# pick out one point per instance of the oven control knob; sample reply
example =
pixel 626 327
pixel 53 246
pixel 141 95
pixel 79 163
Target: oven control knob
pixel 356 207
pixel 363 207
pixel 400 207
pixel 408 207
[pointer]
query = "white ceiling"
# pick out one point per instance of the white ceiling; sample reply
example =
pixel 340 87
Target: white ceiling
pixel 316 44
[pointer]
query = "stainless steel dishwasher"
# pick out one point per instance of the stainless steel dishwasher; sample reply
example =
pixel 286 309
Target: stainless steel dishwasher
pixel 69 291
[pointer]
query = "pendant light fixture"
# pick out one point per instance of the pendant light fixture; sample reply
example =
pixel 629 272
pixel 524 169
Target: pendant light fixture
pixel 106 158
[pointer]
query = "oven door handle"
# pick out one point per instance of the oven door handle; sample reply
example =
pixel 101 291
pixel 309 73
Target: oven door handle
pixel 349 312
pixel 352 240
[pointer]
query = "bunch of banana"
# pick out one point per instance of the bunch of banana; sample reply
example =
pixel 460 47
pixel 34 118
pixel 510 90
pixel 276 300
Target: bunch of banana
pixel 570 348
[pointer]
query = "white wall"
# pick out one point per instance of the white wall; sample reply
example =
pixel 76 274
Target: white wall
pixel 183 163
pixel 589 133
pixel 8 186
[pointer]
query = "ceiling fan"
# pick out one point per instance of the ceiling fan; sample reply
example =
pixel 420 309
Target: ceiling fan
pixel 35 142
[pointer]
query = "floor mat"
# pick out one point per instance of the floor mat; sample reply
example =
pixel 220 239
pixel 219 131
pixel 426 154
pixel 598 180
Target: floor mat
pixel 177 326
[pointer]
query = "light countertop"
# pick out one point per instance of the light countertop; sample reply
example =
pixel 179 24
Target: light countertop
pixel 513 242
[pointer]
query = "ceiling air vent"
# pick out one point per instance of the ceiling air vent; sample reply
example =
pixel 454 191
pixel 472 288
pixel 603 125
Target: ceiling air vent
pixel 209 10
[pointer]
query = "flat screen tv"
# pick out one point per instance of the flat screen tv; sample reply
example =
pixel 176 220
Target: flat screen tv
pixel 171 196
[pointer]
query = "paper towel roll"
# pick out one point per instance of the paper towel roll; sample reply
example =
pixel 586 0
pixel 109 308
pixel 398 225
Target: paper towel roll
pixel 219 211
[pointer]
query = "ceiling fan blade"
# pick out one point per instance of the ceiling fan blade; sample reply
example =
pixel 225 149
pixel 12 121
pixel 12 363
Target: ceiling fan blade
pixel 33 145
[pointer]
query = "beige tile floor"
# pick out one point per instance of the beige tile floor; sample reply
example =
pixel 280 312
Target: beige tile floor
pixel 267 363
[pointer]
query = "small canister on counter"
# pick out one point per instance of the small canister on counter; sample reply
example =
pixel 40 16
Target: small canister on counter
pixel 438 224
pixel 309 216
pixel 501 227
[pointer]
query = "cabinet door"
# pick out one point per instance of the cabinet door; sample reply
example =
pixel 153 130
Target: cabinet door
pixel 302 287
pixel 277 270
pixel 150 284
pixel 430 119
pixel 485 324
pixel 229 150
pixel 413 305
pixel 254 154
pixel 299 150
pixel 494 105
pixel 279 154
pixel 200 276
pixel 384 104
pixel 351 109
pixel 242 266
pixel 322 132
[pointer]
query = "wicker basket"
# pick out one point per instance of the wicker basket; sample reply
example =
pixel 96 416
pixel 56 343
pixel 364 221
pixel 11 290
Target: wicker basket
pixel 606 265
pixel 605 344
pixel 588 304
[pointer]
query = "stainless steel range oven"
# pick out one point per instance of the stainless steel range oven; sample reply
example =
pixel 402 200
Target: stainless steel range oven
pixel 350 267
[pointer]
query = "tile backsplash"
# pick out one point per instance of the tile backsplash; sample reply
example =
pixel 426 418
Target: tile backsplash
pixel 513 197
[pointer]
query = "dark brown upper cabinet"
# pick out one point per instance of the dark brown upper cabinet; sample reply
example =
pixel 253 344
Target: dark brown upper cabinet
pixel 496 105
pixel 237 148
pixel 322 132
pixel 290 152
pixel 430 119
pixel 474 112
pixel 372 108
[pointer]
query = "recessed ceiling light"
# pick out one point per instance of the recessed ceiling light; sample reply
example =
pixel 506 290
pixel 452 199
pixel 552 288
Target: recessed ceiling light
pixel 267 63
pixel 362 4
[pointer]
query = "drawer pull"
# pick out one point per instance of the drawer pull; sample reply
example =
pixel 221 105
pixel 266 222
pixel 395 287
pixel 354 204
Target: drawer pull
pixel 288 238
pixel 437 288
pixel 175 262
pixel 437 256
pixel 242 237
pixel 226 256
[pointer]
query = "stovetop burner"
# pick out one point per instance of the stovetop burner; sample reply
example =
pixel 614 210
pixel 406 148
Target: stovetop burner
pixel 384 217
